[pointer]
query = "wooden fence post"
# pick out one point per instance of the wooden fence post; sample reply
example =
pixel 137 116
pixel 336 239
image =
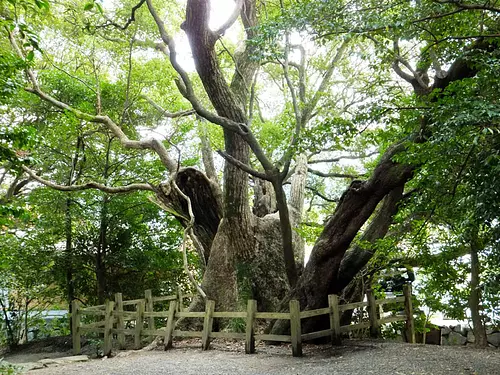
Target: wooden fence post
pixel 108 326
pixel 372 314
pixel 249 333
pixel 139 324
pixel 120 323
pixel 333 303
pixel 410 324
pixel 75 326
pixel 172 308
pixel 295 328
pixel 180 297
pixel 207 324
pixel 149 308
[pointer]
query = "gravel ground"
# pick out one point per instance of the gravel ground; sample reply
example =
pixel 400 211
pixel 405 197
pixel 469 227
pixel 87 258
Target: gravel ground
pixel 352 359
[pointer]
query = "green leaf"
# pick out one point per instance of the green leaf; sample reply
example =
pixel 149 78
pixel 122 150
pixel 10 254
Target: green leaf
pixel 88 6
pixel 30 56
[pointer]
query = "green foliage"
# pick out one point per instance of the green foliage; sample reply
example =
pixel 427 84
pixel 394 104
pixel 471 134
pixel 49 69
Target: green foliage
pixel 54 328
pixel 10 69
pixel 236 325
pixel 8 368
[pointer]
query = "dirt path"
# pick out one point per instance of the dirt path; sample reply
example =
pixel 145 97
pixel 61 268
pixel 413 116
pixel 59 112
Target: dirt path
pixel 356 358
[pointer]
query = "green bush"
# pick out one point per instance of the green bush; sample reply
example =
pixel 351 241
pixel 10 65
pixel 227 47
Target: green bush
pixel 8 369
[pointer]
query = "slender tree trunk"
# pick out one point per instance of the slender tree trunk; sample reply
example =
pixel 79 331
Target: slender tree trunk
pixel 479 329
pixel 8 323
pixel 68 225
pixel 100 261
pixel 70 293
pixel 24 335
pixel 102 246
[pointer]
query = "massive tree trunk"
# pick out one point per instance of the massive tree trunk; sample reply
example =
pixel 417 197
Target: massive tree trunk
pixel 234 239
pixel 355 207
pixel 321 275
pixel 358 256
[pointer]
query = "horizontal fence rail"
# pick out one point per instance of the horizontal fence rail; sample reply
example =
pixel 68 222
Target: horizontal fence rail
pixel 113 319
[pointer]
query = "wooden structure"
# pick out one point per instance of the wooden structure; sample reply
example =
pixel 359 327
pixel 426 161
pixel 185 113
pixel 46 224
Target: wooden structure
pixel 114 315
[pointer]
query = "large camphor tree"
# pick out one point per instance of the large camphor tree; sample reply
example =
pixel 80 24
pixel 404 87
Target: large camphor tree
pixel 376 64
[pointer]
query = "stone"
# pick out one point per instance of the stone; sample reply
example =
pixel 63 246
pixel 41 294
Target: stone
pixel 494 339
pixel 30 366
pixel 470 337
pixel 63 360
pixel 445 331
pixel 461 329
pixel 455 338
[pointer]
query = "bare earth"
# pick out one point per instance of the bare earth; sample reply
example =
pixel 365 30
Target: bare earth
pixel 367 357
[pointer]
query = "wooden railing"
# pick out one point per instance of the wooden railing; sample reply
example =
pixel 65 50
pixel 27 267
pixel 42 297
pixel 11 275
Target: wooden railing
pixel 114 317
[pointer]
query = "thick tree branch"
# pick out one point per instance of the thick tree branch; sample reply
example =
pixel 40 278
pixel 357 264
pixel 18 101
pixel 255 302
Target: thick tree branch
pixel 186 88
pixel 89 185
pixel 231 20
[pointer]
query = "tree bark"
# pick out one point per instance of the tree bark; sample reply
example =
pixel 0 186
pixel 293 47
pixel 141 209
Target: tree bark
pixel 356 258
pixel 479 329
pixel 297 194
pixel 68 228
pixel 355 207
pixel 234 239
pixel 206 202
pixel 100 259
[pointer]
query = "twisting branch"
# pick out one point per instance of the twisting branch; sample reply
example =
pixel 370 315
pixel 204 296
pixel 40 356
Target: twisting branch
pixel 88 185
pixel 291 86
pixel 243 167
pixel 232 19
pixel 333 174
pixel 128 22
pixel 321 195
pixel 165 113
pixel 152 144
pixel 399 59
pixel 309 108
pixel 189 231
pixel 301 67
pixel 350 157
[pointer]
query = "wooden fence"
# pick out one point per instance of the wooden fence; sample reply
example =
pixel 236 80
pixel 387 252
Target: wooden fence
pixel 114 317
